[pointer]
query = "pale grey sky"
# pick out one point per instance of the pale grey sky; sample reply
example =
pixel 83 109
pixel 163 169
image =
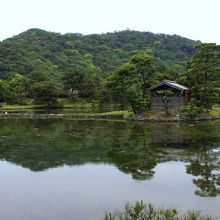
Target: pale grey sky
pixel 194 19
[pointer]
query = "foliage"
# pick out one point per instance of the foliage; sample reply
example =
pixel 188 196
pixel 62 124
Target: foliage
pixel 216 94
pixel 141 211
pixel 73 79
pixel 191 110
pixel 121 83
pixel 165 96
pixel 14 90
pixel 97 52
pixel 145 70
pixel 131 81
pixel 204 75
pixel 40 55
pixel 18 88
pixel 4 90
pixel 46 92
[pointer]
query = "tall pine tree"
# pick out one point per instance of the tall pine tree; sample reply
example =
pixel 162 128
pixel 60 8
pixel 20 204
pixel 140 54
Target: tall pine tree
pixel 204 75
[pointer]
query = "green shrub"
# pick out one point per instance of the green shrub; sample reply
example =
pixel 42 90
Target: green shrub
pixel 191 111
pixel 142 211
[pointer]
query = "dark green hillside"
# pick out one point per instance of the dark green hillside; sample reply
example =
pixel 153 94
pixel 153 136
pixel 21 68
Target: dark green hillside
pixel 36 51
pixel 112 49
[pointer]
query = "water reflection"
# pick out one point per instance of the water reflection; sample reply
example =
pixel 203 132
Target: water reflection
pixel 206 168
pixel 133 148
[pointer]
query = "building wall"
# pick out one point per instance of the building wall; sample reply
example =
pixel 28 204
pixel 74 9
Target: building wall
pixel 175 102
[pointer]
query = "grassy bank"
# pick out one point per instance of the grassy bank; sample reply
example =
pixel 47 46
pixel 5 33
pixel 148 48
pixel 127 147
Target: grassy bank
pixel 14 107
pixel 62 103
pixel 108 115
pixel 215 112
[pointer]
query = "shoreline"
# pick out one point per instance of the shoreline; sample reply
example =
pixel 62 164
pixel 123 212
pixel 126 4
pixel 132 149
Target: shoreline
pixel 107 116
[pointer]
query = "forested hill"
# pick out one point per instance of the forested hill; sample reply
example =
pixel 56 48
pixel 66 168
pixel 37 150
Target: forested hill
pixel 36 51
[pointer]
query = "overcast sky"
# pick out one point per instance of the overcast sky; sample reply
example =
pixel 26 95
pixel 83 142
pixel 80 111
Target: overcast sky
pixel 194 19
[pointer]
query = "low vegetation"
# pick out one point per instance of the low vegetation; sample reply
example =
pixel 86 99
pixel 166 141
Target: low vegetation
pixel 141 211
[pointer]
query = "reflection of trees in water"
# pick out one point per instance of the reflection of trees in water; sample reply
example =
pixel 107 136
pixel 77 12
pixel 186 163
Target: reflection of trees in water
pixel 42 144
pixel 135 149
pixel 206 167
pixel 169 134
pixel 134 155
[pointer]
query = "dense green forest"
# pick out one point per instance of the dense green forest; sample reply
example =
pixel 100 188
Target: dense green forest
pixel 117 67
pixel 36 50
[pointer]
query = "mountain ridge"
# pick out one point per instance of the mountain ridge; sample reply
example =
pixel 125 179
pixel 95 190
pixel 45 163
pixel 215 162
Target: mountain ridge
pixel 37 50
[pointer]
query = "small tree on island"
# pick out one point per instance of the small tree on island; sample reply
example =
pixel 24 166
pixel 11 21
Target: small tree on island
pixel 131 81
pixel 47 92
pixel 165 96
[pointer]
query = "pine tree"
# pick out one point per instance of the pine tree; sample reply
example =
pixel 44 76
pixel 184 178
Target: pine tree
pixel 204 75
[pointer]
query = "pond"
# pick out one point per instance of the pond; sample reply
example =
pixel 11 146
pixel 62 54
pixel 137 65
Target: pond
pixel 79 169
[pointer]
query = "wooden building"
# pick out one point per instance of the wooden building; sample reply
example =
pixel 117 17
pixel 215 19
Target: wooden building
pixel 180 94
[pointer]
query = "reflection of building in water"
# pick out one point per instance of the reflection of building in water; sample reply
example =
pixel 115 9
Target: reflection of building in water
pixel 170 134
pixel 180 135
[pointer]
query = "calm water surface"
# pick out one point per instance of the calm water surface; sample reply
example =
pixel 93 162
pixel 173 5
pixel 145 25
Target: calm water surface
pixel 72 169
